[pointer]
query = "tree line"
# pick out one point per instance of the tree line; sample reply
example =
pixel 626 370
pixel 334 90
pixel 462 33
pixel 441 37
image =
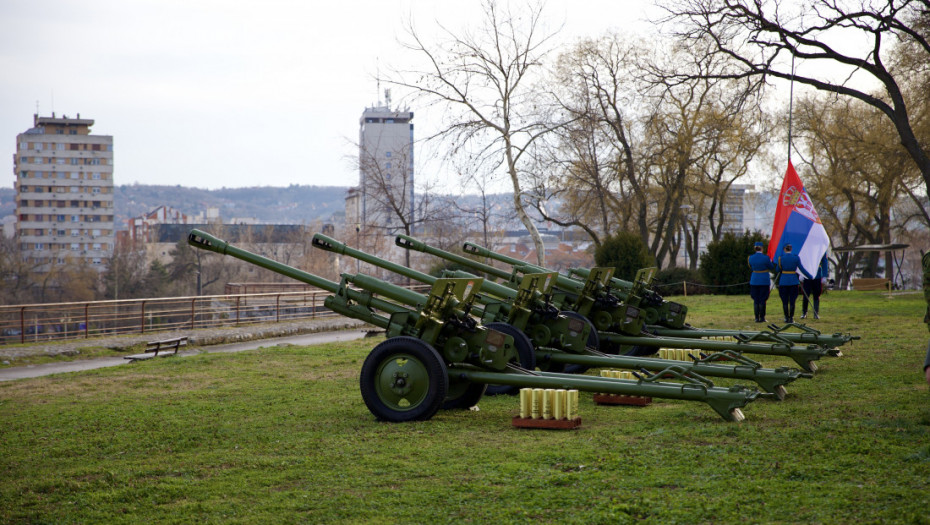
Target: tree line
pixel 650 136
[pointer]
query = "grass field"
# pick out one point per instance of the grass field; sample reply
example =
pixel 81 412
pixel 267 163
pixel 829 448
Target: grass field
pixel 281 435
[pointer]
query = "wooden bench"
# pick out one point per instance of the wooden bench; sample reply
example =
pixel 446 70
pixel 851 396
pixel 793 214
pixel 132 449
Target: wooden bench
pixel 163 347
pixel 872 283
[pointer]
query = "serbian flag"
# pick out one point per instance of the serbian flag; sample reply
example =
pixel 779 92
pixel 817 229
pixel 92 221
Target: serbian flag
pixel 797 224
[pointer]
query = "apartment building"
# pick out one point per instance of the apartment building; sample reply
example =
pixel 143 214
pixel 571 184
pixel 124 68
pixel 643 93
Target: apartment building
pixel 64 192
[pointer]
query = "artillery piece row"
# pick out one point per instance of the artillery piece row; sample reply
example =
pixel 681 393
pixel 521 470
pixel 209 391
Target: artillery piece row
pixel 470 336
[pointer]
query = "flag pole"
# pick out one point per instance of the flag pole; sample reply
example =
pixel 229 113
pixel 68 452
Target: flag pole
pixel 790 107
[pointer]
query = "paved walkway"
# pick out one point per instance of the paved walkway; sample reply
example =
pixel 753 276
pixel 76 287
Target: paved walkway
pixel 234 339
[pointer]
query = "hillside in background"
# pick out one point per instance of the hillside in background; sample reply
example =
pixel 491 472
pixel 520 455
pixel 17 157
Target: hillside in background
pixel 268 204
pixel 271 205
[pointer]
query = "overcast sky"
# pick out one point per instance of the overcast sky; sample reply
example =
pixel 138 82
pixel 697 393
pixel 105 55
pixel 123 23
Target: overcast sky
pixel 213 93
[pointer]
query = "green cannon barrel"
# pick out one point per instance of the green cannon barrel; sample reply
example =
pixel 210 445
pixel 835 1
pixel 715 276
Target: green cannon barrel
pixel 500 302
pixel 565 283
pixel 208 242
pixel 329 244
pixel 409 243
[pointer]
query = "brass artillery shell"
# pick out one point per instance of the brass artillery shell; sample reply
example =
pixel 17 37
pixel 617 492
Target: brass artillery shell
pixel 572 411
pixel 536 409
pixel 558 406
pixel 526 402
pixel 547 404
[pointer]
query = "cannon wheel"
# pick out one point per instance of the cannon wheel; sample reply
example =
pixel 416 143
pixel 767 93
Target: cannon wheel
pixel 403 379
pixel 525 354
pixel 593 341
pixel 463 394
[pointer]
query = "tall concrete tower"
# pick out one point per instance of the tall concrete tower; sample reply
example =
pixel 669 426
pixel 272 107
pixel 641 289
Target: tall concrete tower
pixel 385 168
pixel 64 192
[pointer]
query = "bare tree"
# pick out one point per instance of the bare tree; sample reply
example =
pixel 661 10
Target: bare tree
pixel 483 78
pixel 597 171
pixel 760 38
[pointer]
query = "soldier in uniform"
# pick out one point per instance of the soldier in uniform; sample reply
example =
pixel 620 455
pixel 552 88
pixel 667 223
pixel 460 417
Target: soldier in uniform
pixel 759 283
pixel 813 288
pixel 788 267
pixel 926 264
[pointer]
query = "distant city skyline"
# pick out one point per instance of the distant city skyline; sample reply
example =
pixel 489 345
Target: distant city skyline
pixel 227 94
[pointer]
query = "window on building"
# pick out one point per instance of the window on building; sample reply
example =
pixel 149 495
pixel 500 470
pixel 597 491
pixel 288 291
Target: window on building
pixel 75 218
pixel 95 233
pixel 387 154
pixel 61 218
pixel 75 246
pixel 95 176
pixel 40 246
pixel 75 162
pixel 96 246
pixel 75 189
pixel 74 233
pixel 61 233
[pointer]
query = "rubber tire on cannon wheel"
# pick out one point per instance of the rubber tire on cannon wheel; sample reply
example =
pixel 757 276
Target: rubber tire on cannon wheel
pixel 526 356
pixel 414 397
pixel 463 396
pixel 593 341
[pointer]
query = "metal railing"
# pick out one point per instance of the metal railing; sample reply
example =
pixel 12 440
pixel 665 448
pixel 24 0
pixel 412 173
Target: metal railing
pixel 60 321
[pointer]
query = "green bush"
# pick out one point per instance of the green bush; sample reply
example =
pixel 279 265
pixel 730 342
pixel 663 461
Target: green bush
pixel 626 252
pixel 670 281
pixel 724 265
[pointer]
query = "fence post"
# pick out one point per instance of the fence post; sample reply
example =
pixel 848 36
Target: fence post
pixel 193 300
pixel 237 309
pixel 86 321
pixel 22 325
pixel 142 319
pixel 277 308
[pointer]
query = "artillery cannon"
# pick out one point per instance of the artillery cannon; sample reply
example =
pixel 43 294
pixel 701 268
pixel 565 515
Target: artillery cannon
pixel 437 355
pixel 552 339
pixel 661 327
pixel 620 326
